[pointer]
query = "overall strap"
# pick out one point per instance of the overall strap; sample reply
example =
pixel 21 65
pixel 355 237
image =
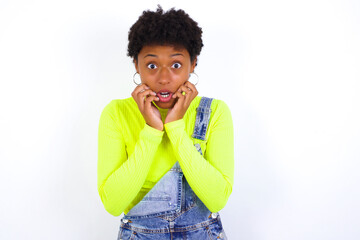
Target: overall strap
pixel 202 120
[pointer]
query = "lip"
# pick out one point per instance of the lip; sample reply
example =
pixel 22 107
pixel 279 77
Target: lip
pixel 164 90
pixel 161 98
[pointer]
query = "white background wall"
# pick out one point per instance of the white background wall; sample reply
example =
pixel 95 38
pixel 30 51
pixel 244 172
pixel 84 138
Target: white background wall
pixel 289 71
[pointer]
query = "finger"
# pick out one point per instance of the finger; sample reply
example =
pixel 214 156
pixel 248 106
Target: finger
pixel 180 96
pixel 191 86
pixel 185 89
pixel 140 88
pixel 184 86
pixel 148 101
pixel 140 97
pixel 179 93
pixel 148 92
pixel 189 94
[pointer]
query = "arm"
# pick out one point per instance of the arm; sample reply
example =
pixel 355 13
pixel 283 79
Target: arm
pixel 210 176
pixel 120 177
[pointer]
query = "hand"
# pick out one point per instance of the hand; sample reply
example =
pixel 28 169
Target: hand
pixel 144 96
pixel 183 102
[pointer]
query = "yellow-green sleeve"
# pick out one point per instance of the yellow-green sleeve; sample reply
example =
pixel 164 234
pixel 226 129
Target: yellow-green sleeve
pixel 120 177
pixel 210 176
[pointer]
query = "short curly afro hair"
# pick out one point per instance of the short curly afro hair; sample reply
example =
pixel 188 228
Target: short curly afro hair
pixel 174 28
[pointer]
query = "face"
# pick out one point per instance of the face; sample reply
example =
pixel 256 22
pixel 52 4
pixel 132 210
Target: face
pixel 164 69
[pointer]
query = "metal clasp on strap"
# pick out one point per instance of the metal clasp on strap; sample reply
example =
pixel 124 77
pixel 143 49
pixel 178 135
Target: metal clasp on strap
pixel 203 110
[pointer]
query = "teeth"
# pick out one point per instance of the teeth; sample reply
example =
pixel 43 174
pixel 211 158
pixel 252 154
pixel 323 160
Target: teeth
pixel 164 95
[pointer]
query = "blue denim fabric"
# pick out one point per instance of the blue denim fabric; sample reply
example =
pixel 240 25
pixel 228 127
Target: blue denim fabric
pixel 202 118
pixel 171 210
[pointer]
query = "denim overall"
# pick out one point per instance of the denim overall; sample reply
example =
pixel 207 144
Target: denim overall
pixel 171 210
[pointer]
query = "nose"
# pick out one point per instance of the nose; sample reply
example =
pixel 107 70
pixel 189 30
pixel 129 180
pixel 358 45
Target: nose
pixel 164 76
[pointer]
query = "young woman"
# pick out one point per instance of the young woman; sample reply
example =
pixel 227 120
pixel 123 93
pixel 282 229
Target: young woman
pixel 166 155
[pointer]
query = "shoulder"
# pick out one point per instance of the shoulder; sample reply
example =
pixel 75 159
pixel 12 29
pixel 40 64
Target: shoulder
pixel 118 112
pixel 220 112
pixel 220 116
pixel 217 105
pixel 116 106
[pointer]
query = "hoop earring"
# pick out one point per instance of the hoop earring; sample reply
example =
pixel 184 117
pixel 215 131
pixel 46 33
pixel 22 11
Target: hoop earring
pixel 197 77
pixel 134 79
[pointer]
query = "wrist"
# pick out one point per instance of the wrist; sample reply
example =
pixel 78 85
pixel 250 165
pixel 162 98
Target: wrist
pixel 176 124
pixel 160 128
pixel 168 120
pixel 171 120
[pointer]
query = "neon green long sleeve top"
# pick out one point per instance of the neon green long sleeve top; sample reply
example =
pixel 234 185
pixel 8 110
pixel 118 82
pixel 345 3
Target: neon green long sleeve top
pixel 133 156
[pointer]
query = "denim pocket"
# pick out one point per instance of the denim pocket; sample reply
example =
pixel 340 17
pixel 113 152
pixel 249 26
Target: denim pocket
pixel 163 198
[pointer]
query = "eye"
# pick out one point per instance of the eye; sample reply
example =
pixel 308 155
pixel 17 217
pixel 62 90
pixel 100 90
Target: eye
pixel 151 66
pixel 176 65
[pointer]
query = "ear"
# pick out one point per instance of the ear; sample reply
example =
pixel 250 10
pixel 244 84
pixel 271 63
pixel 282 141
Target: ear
pixel 193 64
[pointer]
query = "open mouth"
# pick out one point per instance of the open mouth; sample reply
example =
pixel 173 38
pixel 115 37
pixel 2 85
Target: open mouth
pixel 164 96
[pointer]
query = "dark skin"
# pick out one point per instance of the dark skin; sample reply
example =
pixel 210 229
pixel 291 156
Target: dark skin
pixel 164 67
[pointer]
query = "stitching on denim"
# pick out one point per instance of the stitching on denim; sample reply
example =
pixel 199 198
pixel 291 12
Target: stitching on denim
pixel 202 118
pixel 120 232
pixel 167 230
pixel 215 224
pixel 177 214
pixel 209 233
pixel 132 236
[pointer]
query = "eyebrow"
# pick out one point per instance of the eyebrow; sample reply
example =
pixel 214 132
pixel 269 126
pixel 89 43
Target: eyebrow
pixel 173 55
